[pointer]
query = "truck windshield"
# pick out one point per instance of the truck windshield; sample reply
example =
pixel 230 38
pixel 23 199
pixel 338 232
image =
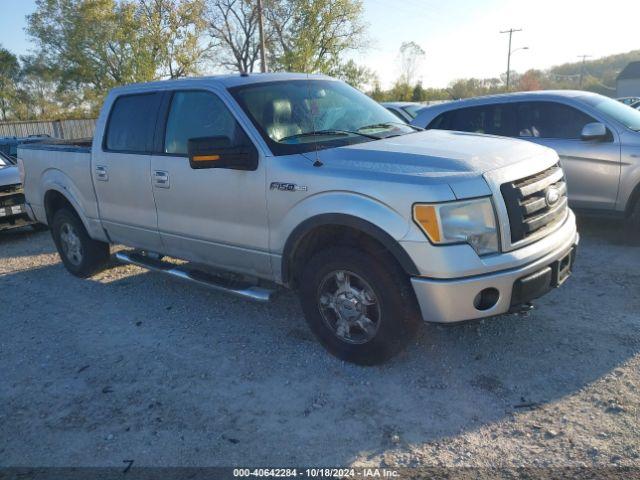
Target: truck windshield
pixel 297 116
pixel 629 117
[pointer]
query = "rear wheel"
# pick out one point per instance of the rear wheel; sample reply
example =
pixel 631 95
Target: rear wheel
pixel 81 255
pixel 361 307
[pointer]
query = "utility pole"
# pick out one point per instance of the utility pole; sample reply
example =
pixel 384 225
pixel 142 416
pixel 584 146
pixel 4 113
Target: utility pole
pixel 263 56
pixel 511 31
pixel 583 57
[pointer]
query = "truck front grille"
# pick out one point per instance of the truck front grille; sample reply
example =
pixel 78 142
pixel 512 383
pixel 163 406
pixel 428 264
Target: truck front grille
pixel 536 204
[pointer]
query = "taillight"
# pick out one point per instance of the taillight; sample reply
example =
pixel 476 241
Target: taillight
pixel 21 170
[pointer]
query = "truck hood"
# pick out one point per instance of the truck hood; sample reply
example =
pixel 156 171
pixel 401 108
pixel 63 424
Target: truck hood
pixel 458 159
pixel 9 175
pixel 438 152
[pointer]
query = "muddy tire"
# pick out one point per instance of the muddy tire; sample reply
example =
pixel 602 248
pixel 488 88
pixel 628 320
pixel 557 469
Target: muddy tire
pixel 81 255
pixel 361 307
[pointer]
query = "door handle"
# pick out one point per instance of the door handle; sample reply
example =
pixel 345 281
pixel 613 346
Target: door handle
pixel 101 173
pixel 161 179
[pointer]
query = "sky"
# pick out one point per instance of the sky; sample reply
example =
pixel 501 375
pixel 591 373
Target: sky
pixel 461 38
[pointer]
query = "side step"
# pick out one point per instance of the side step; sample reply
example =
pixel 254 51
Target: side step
pixel 248 291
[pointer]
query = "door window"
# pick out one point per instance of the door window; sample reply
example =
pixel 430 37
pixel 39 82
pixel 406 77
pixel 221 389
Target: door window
pixel 197 114
pixel 550 120
pixel 132 123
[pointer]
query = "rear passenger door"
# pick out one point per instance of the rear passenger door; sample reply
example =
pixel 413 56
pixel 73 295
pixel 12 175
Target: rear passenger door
pixel 592 167
pixel 216 216
pixel 121 169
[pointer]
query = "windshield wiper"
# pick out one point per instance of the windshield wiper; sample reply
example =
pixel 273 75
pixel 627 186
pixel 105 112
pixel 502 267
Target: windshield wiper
pixel 329 132
pixel 388 124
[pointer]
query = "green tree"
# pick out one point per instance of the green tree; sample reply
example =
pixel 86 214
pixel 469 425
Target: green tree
pixel 9 75
pixel 313 35
pixel 357 76
pixel 376 92
pixel 91 46
pixel 400 92
pixel 172 35
pixel 418 94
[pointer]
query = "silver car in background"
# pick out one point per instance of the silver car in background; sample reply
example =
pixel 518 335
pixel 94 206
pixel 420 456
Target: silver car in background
pixel 596 137
pixel 405 111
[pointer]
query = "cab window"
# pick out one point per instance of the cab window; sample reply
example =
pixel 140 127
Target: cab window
pixel 132 123
pixel 197 114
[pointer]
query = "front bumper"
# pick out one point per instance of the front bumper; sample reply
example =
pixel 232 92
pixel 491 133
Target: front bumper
pixel 13 209
pixel 455 300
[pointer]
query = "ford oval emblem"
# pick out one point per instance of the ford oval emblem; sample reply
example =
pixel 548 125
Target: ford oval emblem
pixel 552 196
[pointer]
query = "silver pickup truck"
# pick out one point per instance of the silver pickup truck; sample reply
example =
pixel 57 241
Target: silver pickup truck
pixel 269 180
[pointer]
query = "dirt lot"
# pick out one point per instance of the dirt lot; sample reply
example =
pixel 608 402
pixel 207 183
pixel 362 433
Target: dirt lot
pixel 131 365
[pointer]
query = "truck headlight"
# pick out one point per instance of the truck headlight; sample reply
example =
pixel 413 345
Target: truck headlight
pixel 466 221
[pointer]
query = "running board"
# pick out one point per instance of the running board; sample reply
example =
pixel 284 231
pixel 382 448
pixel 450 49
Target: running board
pixel 251 292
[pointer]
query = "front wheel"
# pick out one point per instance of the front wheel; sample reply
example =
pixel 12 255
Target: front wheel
pixel 633 222
pixel 361 307
pixel 81 255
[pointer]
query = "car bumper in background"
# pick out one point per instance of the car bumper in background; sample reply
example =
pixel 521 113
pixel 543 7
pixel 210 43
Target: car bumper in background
pixel 13 210
pixel 455 300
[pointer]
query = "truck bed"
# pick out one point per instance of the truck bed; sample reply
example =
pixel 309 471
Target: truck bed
pixel 74 145
pixel 62 165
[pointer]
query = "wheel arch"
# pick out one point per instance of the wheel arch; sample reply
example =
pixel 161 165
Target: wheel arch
pixel 634 198
pixel 337 228
pixel 55 199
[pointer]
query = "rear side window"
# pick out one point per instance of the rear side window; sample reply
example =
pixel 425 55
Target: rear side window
pixel 489 119
pixel 132 123
pixel 550 120
pixel 196 115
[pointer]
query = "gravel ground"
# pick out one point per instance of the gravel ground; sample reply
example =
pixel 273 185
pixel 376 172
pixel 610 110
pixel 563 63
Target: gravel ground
pixel 131 365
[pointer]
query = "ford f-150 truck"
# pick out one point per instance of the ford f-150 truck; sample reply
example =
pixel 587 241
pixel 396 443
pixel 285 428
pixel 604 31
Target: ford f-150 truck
pixel 260 181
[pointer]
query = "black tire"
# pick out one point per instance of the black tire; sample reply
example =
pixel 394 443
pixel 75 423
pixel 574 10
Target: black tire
pixel 633 222
pixel 81 255
pixel 393 310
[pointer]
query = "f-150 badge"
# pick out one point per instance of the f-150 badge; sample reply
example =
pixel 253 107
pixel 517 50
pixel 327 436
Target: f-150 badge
pixel 287 187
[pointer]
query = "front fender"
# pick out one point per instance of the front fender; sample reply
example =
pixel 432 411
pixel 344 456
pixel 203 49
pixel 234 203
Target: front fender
pixel 346 209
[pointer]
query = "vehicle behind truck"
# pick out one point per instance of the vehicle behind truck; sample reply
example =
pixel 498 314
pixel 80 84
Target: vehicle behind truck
pixel 13 211
pixel 266 181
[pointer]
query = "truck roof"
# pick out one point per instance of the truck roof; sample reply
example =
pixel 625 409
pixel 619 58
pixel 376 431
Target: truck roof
pixel 227 81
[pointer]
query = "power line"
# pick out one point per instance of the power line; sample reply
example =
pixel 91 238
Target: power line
pixel 584 57
pixel 511 31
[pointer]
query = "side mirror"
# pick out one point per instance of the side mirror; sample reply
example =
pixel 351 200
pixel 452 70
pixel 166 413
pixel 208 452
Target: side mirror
pixel 594 131
pixel 220 152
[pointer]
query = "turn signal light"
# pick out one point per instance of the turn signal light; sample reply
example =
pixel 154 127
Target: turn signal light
pixel 427 218
pixel 205 158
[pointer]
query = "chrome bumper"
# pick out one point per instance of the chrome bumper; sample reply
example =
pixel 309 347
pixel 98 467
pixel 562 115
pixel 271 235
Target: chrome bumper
pixel 449 301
